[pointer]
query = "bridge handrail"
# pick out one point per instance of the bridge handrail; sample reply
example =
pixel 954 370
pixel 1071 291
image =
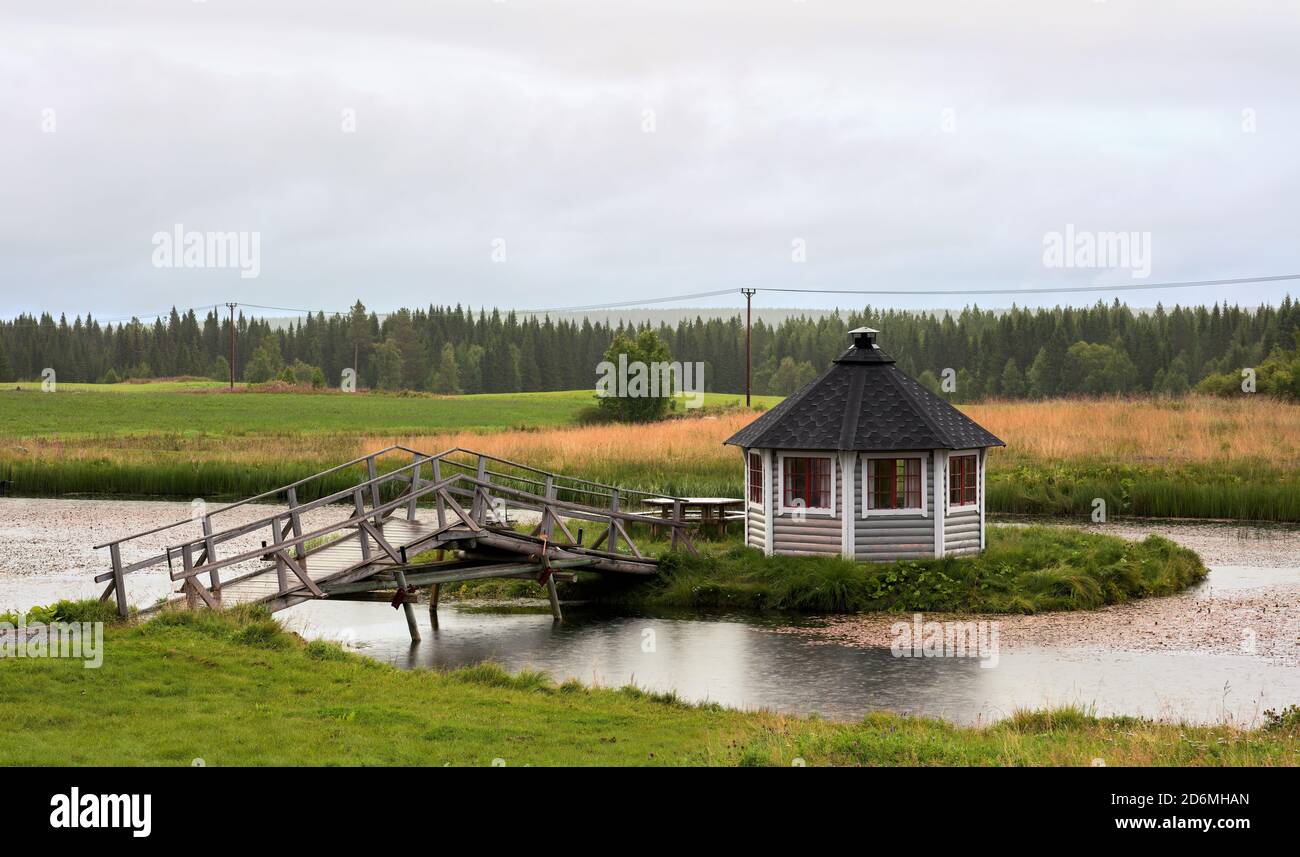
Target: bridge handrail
pixel 265 494
pixel 369 514
pixel 576 483
pixel 352 521
pixel 623 492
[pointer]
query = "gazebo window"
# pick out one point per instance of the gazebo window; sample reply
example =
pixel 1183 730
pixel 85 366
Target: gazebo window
pixel 963 480
pixel 894 483
pixel 755 478
pixel 806 483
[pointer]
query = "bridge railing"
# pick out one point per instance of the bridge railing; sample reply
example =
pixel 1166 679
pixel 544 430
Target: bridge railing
pixel 211 536
pixel 489 483
pixel 558 496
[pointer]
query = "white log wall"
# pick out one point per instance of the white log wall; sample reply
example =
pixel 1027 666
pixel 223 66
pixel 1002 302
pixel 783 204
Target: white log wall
pixel 880 538
pixel 889 537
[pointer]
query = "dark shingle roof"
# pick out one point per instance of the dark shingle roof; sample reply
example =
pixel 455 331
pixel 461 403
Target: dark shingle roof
pixel 863 402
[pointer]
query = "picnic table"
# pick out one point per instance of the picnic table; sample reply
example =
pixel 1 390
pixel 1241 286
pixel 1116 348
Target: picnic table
pixel 709 511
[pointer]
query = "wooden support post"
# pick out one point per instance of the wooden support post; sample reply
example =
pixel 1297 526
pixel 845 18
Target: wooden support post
pixel 282 578
pixel 613 522
pixel 677 522
pixel 295 519
pixel 480 494
pixel 618 525
pixel 415 485
pixel 442 507
pixel 548 514
pixel 384 546
pixel 362 535
pixel 119 587
pixel 374 488
pixel 555 598
pixel 193 589
pixel 301 573
pixel 435 589
pixel 210 554
pixel 406 606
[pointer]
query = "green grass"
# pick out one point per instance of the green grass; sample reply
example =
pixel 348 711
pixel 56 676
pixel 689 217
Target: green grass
pixel 1023 570
pixel 170 385
pixel 235 689
pixel 89 410
pixel 1243 491
pixel 65 611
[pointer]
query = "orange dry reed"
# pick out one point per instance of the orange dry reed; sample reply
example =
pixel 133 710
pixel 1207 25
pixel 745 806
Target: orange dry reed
pixel 574 449
pixel 1196 429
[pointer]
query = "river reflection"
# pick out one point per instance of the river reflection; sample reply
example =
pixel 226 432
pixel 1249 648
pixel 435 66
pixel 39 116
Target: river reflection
pixel 755 665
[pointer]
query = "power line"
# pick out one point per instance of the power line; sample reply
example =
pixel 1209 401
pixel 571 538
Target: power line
pixel 1127 287
pixel 1037 290
pixel 295 309
pixel 633 303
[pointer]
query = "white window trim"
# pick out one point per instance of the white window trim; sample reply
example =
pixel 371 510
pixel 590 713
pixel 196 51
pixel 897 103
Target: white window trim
pixel 921 511
pixel 979 487
pixel 762 472
pixel 819 511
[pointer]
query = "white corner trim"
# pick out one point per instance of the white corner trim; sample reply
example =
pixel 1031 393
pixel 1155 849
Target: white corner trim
pixel 744 457
pixel 768 517
pixel 940 497
pixel 980 491
pixel 868 512
pixel 979 475
pixel 817 511
pixel 848 546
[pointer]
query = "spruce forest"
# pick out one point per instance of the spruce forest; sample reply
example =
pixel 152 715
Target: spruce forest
pixel 1018 353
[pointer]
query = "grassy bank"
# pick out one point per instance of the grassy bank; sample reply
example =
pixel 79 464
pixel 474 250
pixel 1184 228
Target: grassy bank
pixel 1023 570
pixel 234 689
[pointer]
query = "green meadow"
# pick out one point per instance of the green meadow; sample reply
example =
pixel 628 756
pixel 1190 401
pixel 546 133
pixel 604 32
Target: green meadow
pixel 208 408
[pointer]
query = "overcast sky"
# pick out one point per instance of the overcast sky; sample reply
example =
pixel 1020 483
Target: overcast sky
pixel 607 151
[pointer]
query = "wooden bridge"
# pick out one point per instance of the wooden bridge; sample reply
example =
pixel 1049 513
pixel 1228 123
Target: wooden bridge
pixel 387 518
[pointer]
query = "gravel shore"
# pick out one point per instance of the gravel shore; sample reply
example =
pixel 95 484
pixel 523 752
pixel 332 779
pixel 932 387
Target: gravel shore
pixel 1250 605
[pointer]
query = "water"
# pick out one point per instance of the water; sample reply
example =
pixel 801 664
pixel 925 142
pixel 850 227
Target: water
pixel 745 664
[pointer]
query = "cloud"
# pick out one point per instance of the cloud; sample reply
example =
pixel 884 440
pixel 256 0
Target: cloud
pixel 926 145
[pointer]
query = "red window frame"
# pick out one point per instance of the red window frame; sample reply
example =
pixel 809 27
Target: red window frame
pixel 806 482
pixel 755 478
pixel 894 483
pixel 963 480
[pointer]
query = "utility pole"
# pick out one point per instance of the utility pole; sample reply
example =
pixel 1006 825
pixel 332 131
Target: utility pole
pixel 749 324
pixel 232 344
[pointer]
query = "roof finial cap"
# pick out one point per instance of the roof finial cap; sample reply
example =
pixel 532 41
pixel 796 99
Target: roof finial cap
pixel 864 337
